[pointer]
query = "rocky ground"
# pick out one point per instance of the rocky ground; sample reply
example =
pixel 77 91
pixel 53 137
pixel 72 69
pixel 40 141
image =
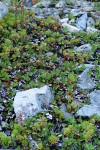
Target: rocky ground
pixel 50 69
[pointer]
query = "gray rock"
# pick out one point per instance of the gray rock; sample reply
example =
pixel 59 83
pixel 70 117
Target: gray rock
pixel 64 20
pixel 83 48
pixel 81 23
pixel 93 108
pixel 65 113
pixel 95 15
pixel 95 98
pixel 78 3
pixel 71 21
pixel 49 116
pixel 43 3
pixel 92 30
pixel 89 66
pixel 86 4
pixel 33 142
pixel 61 4
pixel 76 12
pixel 28 3
pixel 3 124
pixel 71 28
pixel 88 110
pixel 49 54
pixel 90 22
pixel 30 102
pixel 45 12
pixel 84 81
pixel 7 2
pixel 87 8
pixel 66 11
pixel 0 128
pixel 34 145
pixel 3 10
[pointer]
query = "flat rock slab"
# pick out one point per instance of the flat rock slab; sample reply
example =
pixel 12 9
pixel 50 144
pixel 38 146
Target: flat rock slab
pixel 3 10
pixel 30 102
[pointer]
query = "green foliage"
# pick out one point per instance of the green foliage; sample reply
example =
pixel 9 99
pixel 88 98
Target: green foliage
pixel 5 140
pixel 25 62
pixel 53 139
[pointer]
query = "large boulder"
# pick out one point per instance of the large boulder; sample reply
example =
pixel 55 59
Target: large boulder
pixel 30 102
pixel 3 10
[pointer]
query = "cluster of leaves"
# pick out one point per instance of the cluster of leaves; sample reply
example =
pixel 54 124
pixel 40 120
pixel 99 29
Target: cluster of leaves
pixel 26 62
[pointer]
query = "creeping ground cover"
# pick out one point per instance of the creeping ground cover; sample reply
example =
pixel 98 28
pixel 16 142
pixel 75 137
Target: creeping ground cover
pixel 35 52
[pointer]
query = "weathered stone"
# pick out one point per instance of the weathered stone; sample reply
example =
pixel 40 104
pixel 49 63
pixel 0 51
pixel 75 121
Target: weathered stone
pixel 84 48
pixel 44 12
pixel 86 4
pixel 49 54
pixel 64 20
pixel 95 15
pixel 87 8
pixel 43 3
pixel 89 66
pixel 65 113
pixel 84 81
pixel 95 97
pixel 81 23
pixel 4 124
pixel 61 4
pixel 92 30
pixel 0 128
pixel 7 2
pixel 77 12
pixel 3 10
pixel 49 116
pixel 71 21
pixel 90 22
pixel 70 27
pixel 28 3
pixel 88 110
pixel 33 143
pixel 93 108
pixel 30 102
